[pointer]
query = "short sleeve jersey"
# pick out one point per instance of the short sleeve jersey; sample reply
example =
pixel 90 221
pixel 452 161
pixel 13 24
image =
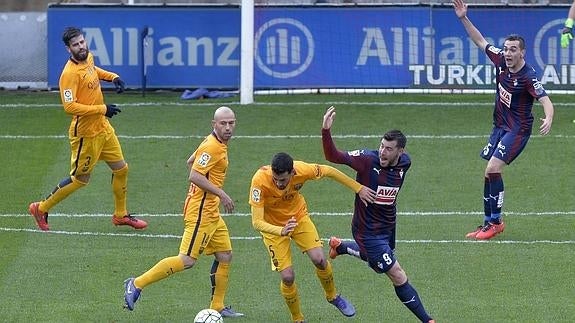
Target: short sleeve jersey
pixel 515 94
pixel 211 160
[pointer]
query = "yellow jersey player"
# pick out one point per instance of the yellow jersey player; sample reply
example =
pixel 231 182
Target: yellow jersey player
pixel 92 138
pixel 280 213
pixel 205 231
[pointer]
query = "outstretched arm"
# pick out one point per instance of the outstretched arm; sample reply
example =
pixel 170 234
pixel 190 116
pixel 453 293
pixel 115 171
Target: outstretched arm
pixel 461 12
pixel 366 194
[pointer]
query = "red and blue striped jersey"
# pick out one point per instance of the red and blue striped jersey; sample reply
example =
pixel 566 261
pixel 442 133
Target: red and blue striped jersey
pixel 515 93
pixel 378 217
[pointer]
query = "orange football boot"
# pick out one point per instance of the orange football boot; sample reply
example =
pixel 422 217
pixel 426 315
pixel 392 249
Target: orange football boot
pixel 129 220
pixel 490 230
pixel 473 234
pixel 334 242
pixel 40 217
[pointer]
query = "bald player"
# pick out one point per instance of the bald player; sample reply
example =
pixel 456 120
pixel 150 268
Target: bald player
pixel 205 231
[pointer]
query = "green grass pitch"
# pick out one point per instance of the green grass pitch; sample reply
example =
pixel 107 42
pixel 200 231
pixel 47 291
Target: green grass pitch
pixel 75 273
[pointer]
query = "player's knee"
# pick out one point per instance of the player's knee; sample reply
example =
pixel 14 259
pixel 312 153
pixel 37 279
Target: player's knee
pixel 320 263
pixel 188 261
pixel 288 276
pixel 82 179
pixel 121 171
pixel 223 256
pixel 397 275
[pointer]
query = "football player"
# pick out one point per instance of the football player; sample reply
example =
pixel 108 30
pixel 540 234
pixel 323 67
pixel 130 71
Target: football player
pixel 280 214
pixel 373 225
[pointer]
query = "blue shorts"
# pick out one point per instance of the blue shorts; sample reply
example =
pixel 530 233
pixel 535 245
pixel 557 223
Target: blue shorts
pixel 378 249
pixel 504 145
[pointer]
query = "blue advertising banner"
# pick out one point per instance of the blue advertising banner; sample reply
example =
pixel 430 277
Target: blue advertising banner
pixel 310 47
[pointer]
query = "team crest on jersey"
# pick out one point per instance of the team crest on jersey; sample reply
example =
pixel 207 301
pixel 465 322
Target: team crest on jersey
pixel 204 159
pixel 386 195
pixel 256 195
pixel 68 96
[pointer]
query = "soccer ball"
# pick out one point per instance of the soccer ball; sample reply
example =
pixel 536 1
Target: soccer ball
pixel 208 316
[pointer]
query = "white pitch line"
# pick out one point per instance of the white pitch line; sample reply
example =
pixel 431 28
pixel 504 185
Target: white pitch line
pixel 408 213
pixel 282 104
pixel 294 136
pixel 171 236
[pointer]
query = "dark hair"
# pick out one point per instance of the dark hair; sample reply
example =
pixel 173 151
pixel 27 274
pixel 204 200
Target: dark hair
pixel 282 163
pixel 513 37
pixel 69 33
pixel 396 135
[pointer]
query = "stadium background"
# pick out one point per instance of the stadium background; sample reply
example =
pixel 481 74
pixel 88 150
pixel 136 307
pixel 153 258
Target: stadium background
pixel 28 19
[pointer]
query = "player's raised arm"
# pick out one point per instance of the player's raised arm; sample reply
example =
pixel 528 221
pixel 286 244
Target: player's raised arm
pixel 461 12
pixel 328 118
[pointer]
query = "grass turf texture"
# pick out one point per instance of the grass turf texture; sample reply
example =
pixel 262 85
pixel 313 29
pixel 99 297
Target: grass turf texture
pixel 76 272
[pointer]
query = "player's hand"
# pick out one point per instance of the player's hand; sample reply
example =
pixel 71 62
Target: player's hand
pixel 328 118
pixel 289 227
pixel 460 8
pixel 366 195
pixel 119 84
pixel 545 127
pixel 567 33
pixel 112 110
pixel 227 202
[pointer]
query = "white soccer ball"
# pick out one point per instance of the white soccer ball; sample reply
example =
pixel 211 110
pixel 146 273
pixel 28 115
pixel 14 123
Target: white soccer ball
pixel 208 315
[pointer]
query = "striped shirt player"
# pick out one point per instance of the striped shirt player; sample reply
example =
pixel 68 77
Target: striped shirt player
pixel 517 86
pixel 205 231
pixel 92 137
pixel 373 224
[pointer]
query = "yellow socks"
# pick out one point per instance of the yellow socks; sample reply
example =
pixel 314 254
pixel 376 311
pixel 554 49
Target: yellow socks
pixel 161 270
pixel 291 298
pixel 119 187
pixel 66 187
pixel 326 279
pixel 219 278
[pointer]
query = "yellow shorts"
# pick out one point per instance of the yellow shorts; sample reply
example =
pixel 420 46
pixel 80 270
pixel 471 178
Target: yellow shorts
pixel 305 237
pixel 205 238
pixel 87 151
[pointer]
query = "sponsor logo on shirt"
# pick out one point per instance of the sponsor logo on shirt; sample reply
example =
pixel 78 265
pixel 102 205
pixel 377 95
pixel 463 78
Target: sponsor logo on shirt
pixel 256 195
pixel 204 159
pixel 494 49
pixel 504 96
pixel 386 195
pixel 68 96
pixel 355 152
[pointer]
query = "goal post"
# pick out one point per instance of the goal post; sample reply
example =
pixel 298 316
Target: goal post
pixel 247 53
